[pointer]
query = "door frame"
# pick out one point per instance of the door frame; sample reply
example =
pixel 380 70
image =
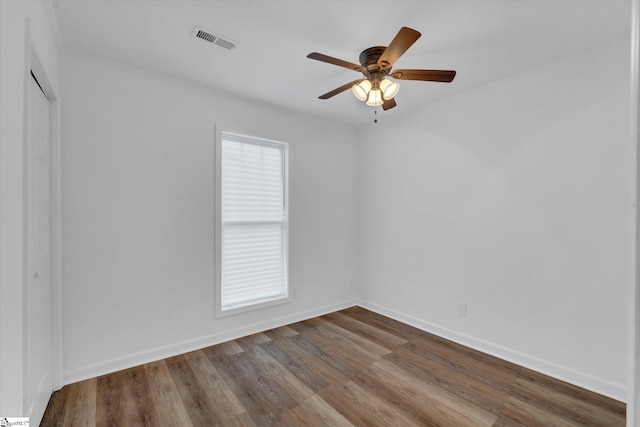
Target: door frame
pixel 35 65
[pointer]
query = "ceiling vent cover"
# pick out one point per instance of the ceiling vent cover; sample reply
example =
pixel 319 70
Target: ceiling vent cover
pixel 217 40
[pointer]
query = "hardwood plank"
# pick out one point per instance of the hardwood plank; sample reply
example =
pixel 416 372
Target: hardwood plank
pixel 314 412
pixel 165 396
pixel 496 378
pixel 505 421
pixel 193 395
pixel 139 408
pixel 422 411
pixel 363 408
pixel 466 352
pixel 314 322
pixel 306 325
pixel 517 412
pixel 371 333
pixel 54 414
pixel 565 405
pixel 381 322
pixel 312 371
pixel 109 403
pixel 251 399
pixel 81 410
pixel 242 420
pixel 323 351
pixel 348 338
pixel 554 385
pixel 225 404
pixel 281 333
pixel 451 379
pixel 228 348
pixel 252 340
pixel 300 327
pixel 340 348
pixel 422 394
pixel 262 397
pixel 270 367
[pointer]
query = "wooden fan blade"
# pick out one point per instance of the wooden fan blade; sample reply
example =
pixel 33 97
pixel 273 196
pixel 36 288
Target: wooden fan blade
pixel 389 104
pixel 399 45
pixel 335 61
pixel 339 90
pixel 444 76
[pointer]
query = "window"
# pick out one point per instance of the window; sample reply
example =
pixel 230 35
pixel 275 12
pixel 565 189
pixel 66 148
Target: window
pixel 252 264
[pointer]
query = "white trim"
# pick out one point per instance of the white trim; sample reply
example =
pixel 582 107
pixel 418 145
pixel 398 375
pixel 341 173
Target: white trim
pixel 589 382
pixel 56 240
pixel 36 66
pixel 217 224
pixel 53 23
pixel 56 243
pixel 633 387
pixel 28 49
pixel 288 297
pixel 159 353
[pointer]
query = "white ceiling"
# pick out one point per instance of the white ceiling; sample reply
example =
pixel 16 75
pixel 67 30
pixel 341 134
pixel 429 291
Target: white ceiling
pixel 485 41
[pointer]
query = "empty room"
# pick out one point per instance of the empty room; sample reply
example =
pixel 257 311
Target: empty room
pixel 321 213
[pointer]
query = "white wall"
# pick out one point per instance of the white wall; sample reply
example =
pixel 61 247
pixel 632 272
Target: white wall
pixel 24 27
pixel 515 200
pixel 138 217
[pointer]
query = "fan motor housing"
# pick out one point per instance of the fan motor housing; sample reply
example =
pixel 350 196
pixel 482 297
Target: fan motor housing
pixel 369 57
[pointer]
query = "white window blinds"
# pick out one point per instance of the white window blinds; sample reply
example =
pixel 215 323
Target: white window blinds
pixel 253 222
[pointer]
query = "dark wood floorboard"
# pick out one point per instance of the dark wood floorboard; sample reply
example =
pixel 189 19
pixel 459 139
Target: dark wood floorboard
pixel 349 368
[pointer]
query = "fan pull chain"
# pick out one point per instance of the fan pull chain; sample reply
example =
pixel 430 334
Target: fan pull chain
pixel 375 115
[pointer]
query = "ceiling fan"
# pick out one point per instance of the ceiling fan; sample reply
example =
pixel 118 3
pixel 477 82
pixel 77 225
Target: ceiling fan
pixel 375 65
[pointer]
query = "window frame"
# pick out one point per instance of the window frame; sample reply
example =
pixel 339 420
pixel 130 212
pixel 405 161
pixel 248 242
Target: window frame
pixel 222 135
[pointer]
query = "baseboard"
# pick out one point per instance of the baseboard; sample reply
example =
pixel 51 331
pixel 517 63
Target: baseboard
pixel 152 355
pixel 589 382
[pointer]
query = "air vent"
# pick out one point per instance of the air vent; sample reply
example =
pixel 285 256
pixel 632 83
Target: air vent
pixel 206 36
pixel 213 38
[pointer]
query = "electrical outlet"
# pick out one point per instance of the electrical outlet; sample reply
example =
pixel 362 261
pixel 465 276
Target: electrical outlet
pixel 462 310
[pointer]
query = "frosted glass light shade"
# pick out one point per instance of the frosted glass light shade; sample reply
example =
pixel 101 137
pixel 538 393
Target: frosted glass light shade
pixel 361 90
pixel 389 88
pixel 375 98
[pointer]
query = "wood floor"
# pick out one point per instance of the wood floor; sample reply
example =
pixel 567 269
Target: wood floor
pixel 353 367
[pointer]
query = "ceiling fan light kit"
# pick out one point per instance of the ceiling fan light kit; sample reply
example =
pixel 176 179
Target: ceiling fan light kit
pixel 375 98
pixel 389 88
pixel 361 90
pixel 374 94
pixel 375 65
